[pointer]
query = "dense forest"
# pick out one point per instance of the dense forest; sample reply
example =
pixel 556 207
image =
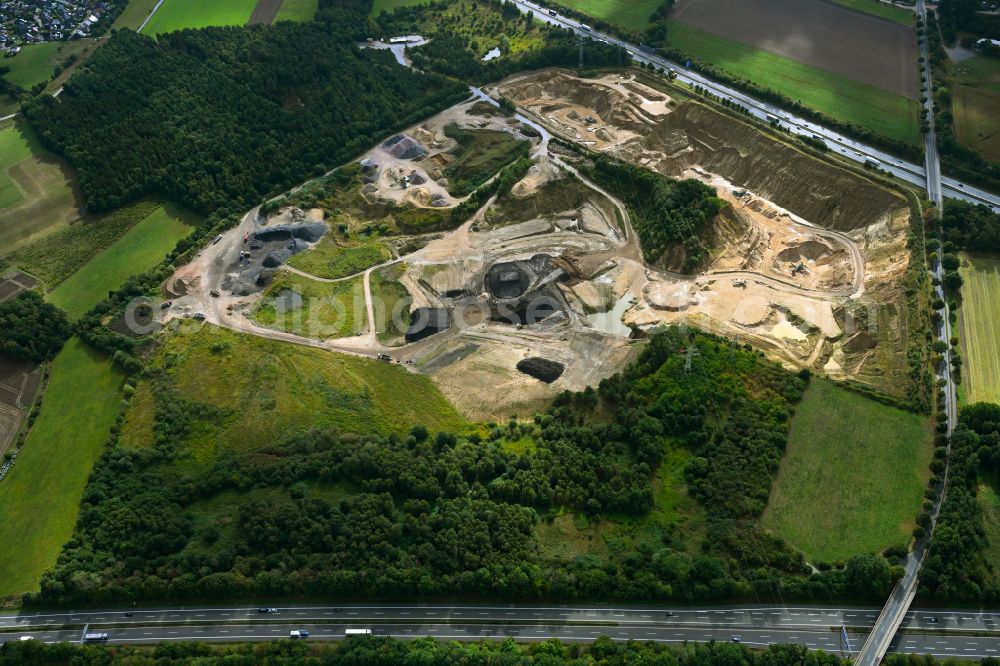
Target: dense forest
pixel 666 213
pixel 31 329
pixel 957 568
pixel 971 227
pixel 439 514
pixel 219 118
pixel 383 651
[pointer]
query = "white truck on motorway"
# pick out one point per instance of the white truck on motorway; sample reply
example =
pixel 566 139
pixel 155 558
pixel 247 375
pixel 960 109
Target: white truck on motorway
pixel 357 632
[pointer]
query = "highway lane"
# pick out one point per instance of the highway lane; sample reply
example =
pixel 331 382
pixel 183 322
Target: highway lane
pixel 836 142
pixel 749 617
pixel 830 640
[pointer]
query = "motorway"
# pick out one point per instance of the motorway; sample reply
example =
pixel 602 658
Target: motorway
pixel 836 142
pixel 947 633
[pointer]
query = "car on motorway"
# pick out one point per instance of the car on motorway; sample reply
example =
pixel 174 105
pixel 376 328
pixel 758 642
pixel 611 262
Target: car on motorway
pixel 269 611
pixel 736 639
pixel 298 633
pixel 584 27
pixel 26 638
pixel 552 12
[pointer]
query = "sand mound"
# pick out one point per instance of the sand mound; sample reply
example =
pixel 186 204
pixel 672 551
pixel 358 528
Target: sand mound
pixel 810 250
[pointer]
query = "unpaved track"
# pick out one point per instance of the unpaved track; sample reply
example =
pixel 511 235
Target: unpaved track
pixel 264 12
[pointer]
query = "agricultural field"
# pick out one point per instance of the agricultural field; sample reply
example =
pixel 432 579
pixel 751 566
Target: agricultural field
pixel 55 257
pixel 867 49
pixel 37 189
pixel 312 308
pixel 881 9
pixel 37 62
pixel 297 10
pixel 853 475
pixel 975 100
pixel 335 257
pixel 632 16
pixel 887 113
pixel 179 14
pixel 40 499
pixel 261 391
pixel 139 249
pixel 978 327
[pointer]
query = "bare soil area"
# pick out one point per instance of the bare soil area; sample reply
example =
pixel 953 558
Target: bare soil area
pixel 552 269
pixel 853 44
pixel 803 244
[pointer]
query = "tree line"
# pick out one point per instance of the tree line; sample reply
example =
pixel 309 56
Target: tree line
pixel 957 568
pixel 385 651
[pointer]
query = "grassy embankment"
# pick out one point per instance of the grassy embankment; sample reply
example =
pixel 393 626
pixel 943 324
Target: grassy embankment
pixel 853 475
pixel 392 304
pixel 313 309
pixel 140 248
pixel 978 328
pixel 297 10
pixel 336 257
pixel 976 98
pixel 268 391
pixel 883 112
pixel 179 14
pixel 40 499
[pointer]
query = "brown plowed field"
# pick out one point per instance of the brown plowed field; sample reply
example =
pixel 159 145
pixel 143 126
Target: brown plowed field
pixel 264 12
pixel 858 46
